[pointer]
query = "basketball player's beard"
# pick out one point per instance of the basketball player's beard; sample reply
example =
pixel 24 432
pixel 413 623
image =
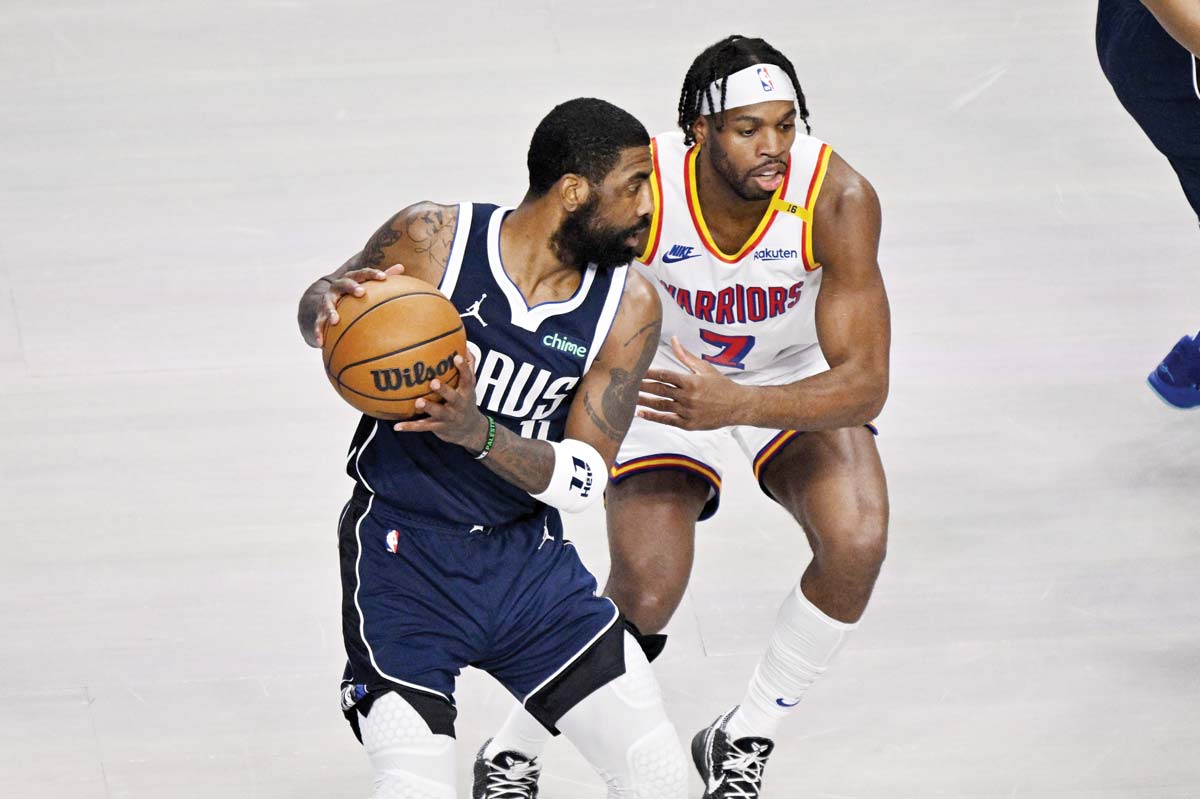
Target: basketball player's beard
pixel 580 241
pixel 742 185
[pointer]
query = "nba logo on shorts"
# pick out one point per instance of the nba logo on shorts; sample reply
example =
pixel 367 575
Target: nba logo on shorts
pixel 764 78
pixel 393 541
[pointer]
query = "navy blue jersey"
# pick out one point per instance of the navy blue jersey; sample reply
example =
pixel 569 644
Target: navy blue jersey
pixel 1158 82
pixel 529 362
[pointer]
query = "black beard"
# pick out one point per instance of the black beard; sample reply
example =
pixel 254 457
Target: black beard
pixel 579 241
pixel 741 185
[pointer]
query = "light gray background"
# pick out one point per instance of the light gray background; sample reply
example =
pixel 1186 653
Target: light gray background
pixel 174 174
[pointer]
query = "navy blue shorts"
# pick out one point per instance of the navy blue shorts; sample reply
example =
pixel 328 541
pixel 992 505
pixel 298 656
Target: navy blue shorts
pixel 421 599
pixel 1158 82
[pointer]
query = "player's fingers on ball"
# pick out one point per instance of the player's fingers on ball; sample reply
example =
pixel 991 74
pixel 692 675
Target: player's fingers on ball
pixel 366 273
pixel 449 393
pixel 466 373
pixel 347 285
pixel 394 269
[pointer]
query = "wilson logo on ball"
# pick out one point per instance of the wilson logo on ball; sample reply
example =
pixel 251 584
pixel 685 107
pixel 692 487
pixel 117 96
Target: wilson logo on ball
pixel 418 374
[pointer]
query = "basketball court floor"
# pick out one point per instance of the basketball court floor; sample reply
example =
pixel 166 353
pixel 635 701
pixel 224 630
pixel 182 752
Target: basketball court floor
pixel 172 175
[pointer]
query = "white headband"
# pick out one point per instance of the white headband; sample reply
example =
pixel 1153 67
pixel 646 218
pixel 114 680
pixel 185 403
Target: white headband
pixel 756 83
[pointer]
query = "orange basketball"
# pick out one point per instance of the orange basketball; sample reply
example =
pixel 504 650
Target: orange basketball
pixel 389 345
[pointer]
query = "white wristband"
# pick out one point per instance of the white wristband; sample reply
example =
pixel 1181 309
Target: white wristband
pixel 579 478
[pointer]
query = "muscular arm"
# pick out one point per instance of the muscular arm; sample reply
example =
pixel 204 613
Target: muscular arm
pixel 419 237
pixel 1181 19
pixel 605 399
pixel 853 320
pixel 600 413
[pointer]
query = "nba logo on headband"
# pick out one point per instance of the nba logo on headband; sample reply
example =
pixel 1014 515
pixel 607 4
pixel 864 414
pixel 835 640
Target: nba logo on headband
pixel 764 78
pixel 747 87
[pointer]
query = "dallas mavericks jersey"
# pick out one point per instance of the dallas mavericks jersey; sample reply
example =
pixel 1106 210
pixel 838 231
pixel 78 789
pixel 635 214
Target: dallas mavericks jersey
pixel 528 364
pixel 750 313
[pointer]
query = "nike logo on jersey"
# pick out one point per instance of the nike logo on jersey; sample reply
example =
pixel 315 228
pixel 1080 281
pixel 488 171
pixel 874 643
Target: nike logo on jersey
pixel 679 253
pixel 473 310
pixel 782 703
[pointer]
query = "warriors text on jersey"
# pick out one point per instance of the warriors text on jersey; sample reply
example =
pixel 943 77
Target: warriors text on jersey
pixel 528 364
pixel 750 313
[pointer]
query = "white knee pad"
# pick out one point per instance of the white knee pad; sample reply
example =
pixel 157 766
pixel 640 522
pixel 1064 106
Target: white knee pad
pixel 657 767
pixel 407 760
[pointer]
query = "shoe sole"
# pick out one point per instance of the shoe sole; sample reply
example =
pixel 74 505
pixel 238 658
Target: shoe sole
pixel 1182 399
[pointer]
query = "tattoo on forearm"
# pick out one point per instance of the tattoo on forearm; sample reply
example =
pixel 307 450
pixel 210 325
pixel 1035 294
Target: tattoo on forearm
pixel 513 459
pixel 620 396
pixel 600 421
pixel 429 227
pixel 653 323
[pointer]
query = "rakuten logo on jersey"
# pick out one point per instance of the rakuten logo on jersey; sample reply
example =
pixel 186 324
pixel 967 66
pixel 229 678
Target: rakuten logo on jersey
pixel 767 254
pixel 738 303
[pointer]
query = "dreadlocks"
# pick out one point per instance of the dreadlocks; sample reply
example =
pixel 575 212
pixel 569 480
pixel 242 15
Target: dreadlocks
pixel 720 61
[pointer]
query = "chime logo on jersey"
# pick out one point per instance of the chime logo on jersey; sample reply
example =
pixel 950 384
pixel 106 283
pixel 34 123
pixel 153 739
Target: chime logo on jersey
pixel 737 303
pixel 518 390
pixel 393 541
pixel 764 78
pixel 563 344
pixel 679 252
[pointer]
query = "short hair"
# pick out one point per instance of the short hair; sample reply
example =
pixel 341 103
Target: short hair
pixel 584 136
pixel 719 61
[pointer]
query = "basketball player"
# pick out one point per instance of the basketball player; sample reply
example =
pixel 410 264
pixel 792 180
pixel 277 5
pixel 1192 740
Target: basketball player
pixel 776 330
pixel 1148 51
pixel 452 549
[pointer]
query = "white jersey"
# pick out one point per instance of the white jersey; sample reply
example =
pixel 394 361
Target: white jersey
pixel 750 313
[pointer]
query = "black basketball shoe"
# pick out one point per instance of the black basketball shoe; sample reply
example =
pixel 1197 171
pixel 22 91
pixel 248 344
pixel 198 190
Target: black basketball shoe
pixel 730 769
pixel 508 775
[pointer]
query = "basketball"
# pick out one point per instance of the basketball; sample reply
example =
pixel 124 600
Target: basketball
pixel 390 344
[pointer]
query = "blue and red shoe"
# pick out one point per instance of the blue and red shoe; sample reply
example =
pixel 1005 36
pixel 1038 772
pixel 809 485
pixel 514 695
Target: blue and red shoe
pixel 1177 378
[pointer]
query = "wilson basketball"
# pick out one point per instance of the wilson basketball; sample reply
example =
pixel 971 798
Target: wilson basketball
pixel 390 344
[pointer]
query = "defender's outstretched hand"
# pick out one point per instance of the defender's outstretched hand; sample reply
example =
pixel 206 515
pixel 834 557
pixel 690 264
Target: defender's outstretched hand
pixel 705 399
pixel 456 420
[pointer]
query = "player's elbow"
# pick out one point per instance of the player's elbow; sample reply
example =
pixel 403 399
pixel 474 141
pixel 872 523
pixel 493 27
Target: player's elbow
pixel 873 398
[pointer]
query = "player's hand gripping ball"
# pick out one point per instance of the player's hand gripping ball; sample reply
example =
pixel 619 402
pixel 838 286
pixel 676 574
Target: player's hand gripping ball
pixel 390 344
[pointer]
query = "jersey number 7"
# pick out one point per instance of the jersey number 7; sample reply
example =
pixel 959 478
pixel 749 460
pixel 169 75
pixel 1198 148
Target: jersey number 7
pixel 734 349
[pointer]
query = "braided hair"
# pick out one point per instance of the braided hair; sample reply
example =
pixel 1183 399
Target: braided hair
pixel 717 63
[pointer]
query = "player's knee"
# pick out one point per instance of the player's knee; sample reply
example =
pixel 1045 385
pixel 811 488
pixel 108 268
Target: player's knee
pixel 407 758
pixel 648 607
pixel 646 594
pixel 855 541
pixel 657 767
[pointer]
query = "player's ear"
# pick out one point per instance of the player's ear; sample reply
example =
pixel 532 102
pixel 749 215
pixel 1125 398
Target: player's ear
pixel 700 129
pixel 573 191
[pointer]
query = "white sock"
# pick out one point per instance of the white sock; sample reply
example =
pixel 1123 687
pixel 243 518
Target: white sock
pixel 521 733
pixel 803 643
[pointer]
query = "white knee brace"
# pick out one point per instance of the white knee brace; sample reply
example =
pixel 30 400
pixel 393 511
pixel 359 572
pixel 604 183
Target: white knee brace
pixel 407 760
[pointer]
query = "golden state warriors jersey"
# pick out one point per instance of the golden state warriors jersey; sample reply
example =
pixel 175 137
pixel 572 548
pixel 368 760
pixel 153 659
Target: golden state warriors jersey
pixel 750 313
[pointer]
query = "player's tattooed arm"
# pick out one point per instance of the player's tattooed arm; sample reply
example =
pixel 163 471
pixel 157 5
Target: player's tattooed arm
pixel 600 413
pixel 416 242
pixel 524 462
pixel 607 397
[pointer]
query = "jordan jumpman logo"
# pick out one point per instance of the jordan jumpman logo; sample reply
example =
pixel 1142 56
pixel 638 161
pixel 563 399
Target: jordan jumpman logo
pixel 474 310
